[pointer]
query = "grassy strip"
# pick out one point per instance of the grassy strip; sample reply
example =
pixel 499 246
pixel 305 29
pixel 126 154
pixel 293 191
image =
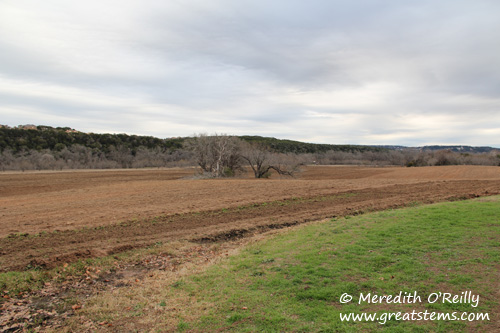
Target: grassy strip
pixel 294 281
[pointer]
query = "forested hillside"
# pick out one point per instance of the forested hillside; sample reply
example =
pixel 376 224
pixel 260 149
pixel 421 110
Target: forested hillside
pixel 31 147
pixel 45 137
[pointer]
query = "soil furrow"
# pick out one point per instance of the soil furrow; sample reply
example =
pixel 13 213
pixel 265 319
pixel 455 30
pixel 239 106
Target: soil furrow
pixel 51 249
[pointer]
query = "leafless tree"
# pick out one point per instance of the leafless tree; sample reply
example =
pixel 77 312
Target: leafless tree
pixel 217 155
pixel 262 161
pixel 7 160
pixel 46 162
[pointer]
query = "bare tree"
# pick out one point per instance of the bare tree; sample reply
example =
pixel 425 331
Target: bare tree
pixel 262 161
pixel 258 159
pixel 217 155
pixel 7 160
pixel 46 162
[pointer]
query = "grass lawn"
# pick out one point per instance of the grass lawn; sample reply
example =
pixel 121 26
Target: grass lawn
pixel 293 281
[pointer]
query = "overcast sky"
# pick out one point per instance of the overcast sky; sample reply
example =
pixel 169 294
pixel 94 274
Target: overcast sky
pixel 410 72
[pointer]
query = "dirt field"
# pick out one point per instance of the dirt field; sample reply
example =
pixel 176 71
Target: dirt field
pixel 79 214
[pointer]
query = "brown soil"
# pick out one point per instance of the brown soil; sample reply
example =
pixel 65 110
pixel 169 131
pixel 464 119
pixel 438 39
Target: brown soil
pixel 103 212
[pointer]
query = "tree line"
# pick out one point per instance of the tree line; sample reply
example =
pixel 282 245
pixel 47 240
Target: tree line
pixel 81 157
pixel 217 155
pixel 19 140
pixel 409 157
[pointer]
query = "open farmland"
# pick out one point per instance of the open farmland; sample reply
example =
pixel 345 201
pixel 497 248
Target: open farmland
pixel 50 218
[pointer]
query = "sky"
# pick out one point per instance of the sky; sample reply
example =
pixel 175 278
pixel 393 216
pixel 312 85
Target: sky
pixel 386 72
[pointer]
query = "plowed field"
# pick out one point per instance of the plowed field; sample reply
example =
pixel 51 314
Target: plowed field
pixel 47 218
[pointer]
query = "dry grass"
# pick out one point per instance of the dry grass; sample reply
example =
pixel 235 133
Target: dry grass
pixel 153 302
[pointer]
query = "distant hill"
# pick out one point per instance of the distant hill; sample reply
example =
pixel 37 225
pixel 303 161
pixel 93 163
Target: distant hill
pixel 460 149
pixel 297 147
pixel 456 149
pixel 32 137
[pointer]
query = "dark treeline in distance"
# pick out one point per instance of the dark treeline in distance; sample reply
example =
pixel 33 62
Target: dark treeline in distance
pixel 48 148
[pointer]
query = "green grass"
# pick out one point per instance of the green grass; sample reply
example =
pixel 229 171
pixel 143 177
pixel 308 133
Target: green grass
pixel 293 281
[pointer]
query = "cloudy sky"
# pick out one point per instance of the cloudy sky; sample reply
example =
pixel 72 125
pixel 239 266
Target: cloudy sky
pixel 328 71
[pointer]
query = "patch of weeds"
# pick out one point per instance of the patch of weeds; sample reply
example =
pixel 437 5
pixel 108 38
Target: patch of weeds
pixel 177 284
pixel 266 261
pixel 20 282
pixel 33 267
pixel 18 235
pixel 182 326
pixel 138 309
pixel 235 317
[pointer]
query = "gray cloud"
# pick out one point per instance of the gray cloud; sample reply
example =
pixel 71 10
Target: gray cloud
pixel 371 72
